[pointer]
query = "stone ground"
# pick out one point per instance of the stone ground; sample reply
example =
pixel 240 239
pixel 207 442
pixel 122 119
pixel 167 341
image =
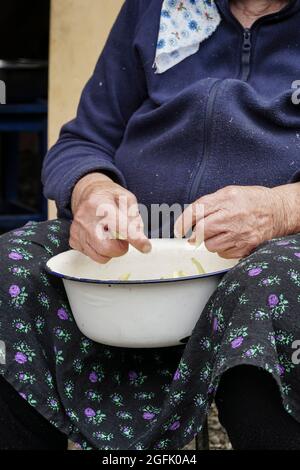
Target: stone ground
pixel 218 439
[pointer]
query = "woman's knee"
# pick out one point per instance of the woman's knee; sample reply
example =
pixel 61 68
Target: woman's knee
pixel 267 279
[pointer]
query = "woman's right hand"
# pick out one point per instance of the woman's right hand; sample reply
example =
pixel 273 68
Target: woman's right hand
pixel 106 219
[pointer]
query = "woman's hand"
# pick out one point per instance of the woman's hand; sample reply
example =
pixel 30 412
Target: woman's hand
pixel 235 220
pixel 106 219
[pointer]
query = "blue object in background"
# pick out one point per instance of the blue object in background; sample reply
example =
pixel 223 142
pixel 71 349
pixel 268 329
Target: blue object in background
pixel 14 121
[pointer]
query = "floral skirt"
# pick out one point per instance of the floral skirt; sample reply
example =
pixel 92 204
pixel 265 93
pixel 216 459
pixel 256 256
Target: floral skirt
pixel 112 398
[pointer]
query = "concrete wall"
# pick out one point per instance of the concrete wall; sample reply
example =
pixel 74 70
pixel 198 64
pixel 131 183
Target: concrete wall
pixel 79 29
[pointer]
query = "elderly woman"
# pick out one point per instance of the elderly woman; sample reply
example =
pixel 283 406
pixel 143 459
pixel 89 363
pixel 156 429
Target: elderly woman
pixel 191 102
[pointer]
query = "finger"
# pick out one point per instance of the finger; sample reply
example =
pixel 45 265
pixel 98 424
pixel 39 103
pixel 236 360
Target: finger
pixel 103 248
pixel 231 254
pixel 74 240
pixel 127 228
pixel 79 231
pixel 107 212
pixel 220 243
pixel 91 253
pixel 123 221
pixel 131 225
pixel 136 233
pixel 86 249
pixel 100 240
pixel 109 248
pixel 137 237
pixel 74 244
pixel 79 239
pixel 188 219
pixel 197 211
pixel 209 227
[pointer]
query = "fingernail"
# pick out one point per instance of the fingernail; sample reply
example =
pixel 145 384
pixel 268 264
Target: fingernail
pixel 177 234
pixel 147 249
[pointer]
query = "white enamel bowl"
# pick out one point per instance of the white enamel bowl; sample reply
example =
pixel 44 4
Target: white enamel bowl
pixel 146 311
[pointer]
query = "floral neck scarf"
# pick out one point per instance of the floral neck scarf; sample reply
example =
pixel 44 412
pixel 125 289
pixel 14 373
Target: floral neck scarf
pixel 184 25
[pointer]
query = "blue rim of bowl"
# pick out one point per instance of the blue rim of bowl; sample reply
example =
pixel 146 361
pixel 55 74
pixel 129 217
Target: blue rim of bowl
pixel 134 282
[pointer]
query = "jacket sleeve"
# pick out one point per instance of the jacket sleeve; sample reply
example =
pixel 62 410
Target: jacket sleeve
pixel 296 177
pixel 115 91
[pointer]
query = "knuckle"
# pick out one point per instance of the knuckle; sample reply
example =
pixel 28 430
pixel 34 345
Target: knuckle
pixel 132 200
pixel 103 259
pixel 210 246
pixel 113 248
pixel 231 192
pixel 73 243
pixel 106 260
pixel 80 213
pixel 72 230
pixel 91 203
pixel 255 240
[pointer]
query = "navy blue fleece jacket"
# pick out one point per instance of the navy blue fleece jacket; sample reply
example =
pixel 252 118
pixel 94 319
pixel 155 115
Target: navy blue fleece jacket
pixel 222 116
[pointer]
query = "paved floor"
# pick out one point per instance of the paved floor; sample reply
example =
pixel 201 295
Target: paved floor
pixel 218 438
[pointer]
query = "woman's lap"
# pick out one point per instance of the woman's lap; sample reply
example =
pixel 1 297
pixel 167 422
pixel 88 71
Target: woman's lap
pixel 255 310
pixel 113 398
pixel 53 366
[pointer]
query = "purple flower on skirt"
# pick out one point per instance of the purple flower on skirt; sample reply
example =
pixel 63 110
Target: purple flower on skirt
pixel 21 358
pixel 175 426
pixel 148 416
pixel 19 233
pixel 279 337
pixel 62 314
pixel 215 324
pixel 132 375
pixel 281 369
pixel 22 395
pixel 237 342
pixel 93 377
pixel 297 255
pixel 249 353
pixel 283 243
pixel 272 338
pixel 15 256
pixel 14 291
pixel 177 376
pixel 254 272
pixel 273 300
pixel 89 413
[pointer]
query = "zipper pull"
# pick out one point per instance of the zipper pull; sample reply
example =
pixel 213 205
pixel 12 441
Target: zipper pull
pixel 247 38
pixel 246 54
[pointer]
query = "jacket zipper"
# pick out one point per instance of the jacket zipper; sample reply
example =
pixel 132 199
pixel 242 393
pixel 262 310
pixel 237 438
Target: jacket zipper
pixel 246 54
pixel 194 190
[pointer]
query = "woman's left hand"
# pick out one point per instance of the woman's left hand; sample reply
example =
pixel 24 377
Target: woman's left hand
pixel 236 219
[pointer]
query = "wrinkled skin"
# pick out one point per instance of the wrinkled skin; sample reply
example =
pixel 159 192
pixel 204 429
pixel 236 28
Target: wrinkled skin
pixel 96 236
pixel 235 220
pixel 232 221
